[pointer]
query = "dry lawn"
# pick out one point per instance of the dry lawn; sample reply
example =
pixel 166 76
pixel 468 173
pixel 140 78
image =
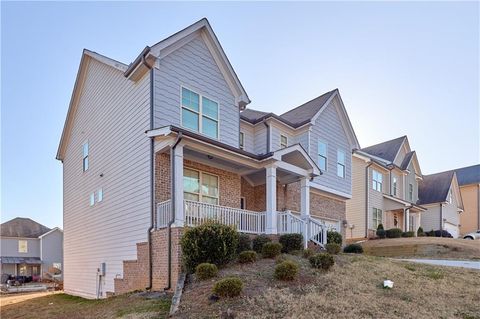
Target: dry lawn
pixel 351 289
pixel 424 247
pixel 64 306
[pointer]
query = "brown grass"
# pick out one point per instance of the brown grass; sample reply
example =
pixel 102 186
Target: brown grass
pixel 65 306
pixel 424 247
pixel 352 289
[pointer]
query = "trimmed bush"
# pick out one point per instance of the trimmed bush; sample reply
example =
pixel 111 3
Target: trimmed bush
pixel 244 243
pixel 380 231
pixel 281 258
pixel 211 242
pixel 394 233
pixel 442 233
pixel 334 237
pixel 228 287
pixel 408 234
pixel 353 249
pixel 271 250
pixel 430 233
pixel 286 270
pixel 259 241
pixel 291 242
pixel 380 226
pixel 323 261
pixel 247 256
pixel 332 248
pixel 206 271
pixel 420 232
pixel 307 253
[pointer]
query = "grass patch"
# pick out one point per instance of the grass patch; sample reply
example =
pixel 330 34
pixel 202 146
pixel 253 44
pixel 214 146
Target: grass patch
pixel 434 273
pixel 410 267
pixel 159 305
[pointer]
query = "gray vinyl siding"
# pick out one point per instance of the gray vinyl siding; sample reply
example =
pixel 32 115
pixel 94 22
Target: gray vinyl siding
pixel 329 129
pixel 450 211
pixel 400 156
pixel 431 218
pixel 51 249
pixel 193 66
pixel 9 247
pixel 113 114
pixel 400 186
pixel 355 206
pixel 276 132
pixel 410 179
pixel 302 139
pixel 375 198
pixel 249 137
pixel 260 139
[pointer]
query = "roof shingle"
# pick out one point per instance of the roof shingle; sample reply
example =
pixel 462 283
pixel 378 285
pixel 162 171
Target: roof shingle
pixel 434 188
pixel 468 175
pixel 386 150
pixel 22 227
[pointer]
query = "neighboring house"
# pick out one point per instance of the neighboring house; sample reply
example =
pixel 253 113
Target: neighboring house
pixel 29 248
pixel 167 142
pixel 440 194
pixel 385 189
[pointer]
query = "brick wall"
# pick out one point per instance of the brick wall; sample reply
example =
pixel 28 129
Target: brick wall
pixel 135 272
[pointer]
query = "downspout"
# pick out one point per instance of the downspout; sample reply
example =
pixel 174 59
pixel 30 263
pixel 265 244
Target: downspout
pixel 152 190
pixel 441 220
pixel 268 135
pixel 367 182
pixel 478 206
pixel 172 202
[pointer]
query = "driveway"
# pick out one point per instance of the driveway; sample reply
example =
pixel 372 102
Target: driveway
pixel 449 263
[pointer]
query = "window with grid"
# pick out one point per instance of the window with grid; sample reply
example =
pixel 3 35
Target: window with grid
pixel 200 186
pixel 341 163
pixel 376 217
pixel 199 113
pixel 283 141
pixel 377 180
pixel 322 156
pixel 23 246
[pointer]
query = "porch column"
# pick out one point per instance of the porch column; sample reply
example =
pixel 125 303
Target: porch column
pixel 305 208
pixel 271 199
pixel 407 219
pixel 177 180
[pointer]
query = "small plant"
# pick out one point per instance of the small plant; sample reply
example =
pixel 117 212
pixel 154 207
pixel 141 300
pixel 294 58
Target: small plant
pixel 420 232
pixel 333 248
pixel 286 270
pixel 206 271
pixel 380 231
pixel 307 253
pixel 291 242
pixel 334 237
pixel 353 249
pixel 228 287
pixel 244 243
pixel 434 274
pixel 322 261
pixel 247 256
pixel 408 234
pixel 271 250
pixel 259 241
pixel 281 258
pixel 430 233
pixel 394 233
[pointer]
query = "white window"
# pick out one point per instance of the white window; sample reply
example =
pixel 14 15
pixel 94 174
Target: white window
pixel 411 223
pixel 92 199
pixel 199 113
pixel 410 192
pixel 341 163
pixel 85 156
pixel 377 179
pixel 242 140
pixel 283 141
pixel 450 197
pixel 394 186
pixel 322 156
pixel 376 217
pixel 100 195
pixel 23 246
pixel 200 186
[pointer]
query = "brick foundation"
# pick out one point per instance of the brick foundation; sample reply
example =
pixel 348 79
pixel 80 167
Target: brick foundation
pixel 135 272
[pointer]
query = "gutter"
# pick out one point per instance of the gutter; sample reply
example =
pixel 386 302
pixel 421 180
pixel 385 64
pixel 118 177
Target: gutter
pixel 366 198
pixel 139 60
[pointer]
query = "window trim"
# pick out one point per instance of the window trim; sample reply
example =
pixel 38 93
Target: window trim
pixel 319 155
pixel 344 165
pixel 200 179
pixel 375 182
pixel 375 212
pixel 85 158
pixel 241 140
pixel 100 195
pixel 92 199
pixel 200 112
pixel 26 246
pixel 286 141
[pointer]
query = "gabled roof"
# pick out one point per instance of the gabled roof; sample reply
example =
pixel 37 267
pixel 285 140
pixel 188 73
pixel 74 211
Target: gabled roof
pixel 468 175
pixel 407 159
pixel 253 116
pixel 22 227
pixel 306 112
pixel 434 188
pixel 387 150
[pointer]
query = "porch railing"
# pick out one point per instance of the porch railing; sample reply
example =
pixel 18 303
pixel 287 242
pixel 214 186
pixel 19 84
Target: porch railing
pixel 288 223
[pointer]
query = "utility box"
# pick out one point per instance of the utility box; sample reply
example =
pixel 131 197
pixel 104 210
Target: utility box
pixel 103 269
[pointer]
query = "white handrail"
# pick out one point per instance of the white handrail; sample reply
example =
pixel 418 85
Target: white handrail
pixel 164 214
pixel 317 231
pixel 288 223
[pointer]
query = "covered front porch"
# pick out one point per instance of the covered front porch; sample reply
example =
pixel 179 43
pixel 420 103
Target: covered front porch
pixel 197 180
pixel 401 214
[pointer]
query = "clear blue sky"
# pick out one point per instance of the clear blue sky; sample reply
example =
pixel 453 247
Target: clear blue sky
pixel 402 68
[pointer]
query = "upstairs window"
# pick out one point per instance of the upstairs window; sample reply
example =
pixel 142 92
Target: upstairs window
pixel 341 163
pixel 100 195
pixel 394 186
pixel 410 192
pixel 283 141
pixel 377 180
pixel 85 156
pixel 242 141
pixel 92 199
pixel 23 246
pixel 199 113
pixel 322 156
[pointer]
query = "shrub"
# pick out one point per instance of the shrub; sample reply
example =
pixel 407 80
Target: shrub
pixel 211 242
pixel 271 250
pixel 247 256
pixel 353 249
pixel 381 233
pixel 206 271
pixel 322 261
pixel 244 243
pixel 442 233
pixel 291 242
pixel 259 241
pixel 408 234
pixel 394 233
pixel 281 258
pixel 430 233
pixel 333 248
pixel 286 270
pixel 420 232
pixel 380 226
pixel 228 287
pixel 307 253
pixel 334 237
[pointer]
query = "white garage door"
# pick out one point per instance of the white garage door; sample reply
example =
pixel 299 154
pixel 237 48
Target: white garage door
pixel 452 229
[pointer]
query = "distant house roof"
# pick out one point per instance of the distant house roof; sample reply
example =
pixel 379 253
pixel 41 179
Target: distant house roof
pixel 22 227
pixel 386 150
pixel 468 175
pixel 434 188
